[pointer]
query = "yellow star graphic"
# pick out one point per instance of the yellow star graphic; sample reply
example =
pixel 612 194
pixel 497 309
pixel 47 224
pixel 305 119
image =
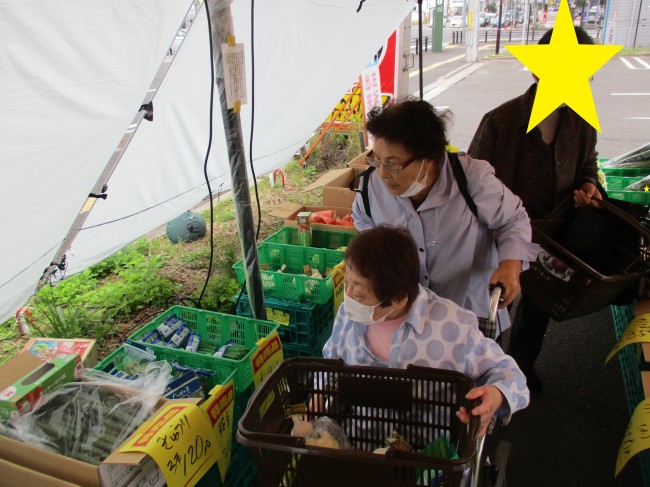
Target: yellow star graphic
pixel 564 68
pixel 646 189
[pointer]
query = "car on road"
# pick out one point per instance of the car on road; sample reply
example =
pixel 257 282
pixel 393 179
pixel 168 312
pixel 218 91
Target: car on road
pixel 456 21
pixel 594 16
pixel 485 20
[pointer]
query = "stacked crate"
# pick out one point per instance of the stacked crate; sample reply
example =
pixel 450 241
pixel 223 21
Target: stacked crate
pixel 616 181
pixel 214 329
pixel 303 307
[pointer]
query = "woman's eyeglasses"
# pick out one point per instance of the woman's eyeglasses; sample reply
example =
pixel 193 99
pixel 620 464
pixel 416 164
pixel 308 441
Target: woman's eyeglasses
pixel 392 168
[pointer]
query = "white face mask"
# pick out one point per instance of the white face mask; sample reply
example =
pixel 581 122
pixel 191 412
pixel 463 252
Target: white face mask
pixel 416 186
pixel 361 313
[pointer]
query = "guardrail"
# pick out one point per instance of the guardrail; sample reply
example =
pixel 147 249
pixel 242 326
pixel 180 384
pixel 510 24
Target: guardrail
pixel 490 35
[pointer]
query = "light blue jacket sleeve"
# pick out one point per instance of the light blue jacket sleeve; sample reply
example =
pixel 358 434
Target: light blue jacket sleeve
pixel 502 211
pixel 493 367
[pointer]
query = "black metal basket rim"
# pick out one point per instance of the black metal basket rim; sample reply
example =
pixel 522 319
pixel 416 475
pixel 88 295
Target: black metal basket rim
pixel 287 442
pixel 397 459
pixel 573 259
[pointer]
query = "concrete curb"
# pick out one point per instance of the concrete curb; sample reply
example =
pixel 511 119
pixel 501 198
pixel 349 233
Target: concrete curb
pixel 450 79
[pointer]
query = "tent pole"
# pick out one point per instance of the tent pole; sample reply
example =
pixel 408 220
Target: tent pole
pixel 221 27
pixel 98 192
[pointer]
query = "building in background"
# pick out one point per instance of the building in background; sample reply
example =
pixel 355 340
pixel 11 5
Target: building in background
pixel 627 23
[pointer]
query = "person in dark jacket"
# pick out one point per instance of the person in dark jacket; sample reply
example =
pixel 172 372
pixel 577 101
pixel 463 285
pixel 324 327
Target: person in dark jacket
pixel 555 160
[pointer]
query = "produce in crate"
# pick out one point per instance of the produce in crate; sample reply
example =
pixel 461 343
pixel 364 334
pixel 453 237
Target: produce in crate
pixel 639 185
pixel 639 157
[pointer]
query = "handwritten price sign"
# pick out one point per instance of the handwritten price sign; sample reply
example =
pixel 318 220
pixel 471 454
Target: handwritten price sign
pixel 637 331
pixel 265 359
pixel 637 436
pixel 181 441
pixel 220 409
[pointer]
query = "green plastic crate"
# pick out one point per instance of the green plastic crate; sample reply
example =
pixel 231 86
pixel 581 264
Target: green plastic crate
pixel 296 256
pixel 300 323
pixel 620 182
pixel 639 197
pixel 290 284
pixel 626 172
pixel 241 470
pixel 323 239
pixel 217 329
pixel 221 374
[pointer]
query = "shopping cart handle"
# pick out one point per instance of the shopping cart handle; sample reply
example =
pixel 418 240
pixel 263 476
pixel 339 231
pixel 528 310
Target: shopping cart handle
pixel 495 300
pixel 330 362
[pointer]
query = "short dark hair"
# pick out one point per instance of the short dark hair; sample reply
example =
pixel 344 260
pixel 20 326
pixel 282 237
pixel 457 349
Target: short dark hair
pixel 388 258
pixel 414 124
pixel 581 34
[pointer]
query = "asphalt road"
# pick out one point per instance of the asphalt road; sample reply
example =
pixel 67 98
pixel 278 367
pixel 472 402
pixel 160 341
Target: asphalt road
pixel 621 91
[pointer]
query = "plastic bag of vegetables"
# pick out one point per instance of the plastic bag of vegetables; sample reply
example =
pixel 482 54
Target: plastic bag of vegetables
pixel 90 419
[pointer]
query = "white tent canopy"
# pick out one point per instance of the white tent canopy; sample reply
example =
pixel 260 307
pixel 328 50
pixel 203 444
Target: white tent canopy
pixel 74 73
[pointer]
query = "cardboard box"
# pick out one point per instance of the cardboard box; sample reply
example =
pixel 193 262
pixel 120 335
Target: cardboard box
pixel 336 186
pixel 18 475
pixel 359 161
pixel 19 396
pixel 48 348
pixel 289 211
pixel 118 470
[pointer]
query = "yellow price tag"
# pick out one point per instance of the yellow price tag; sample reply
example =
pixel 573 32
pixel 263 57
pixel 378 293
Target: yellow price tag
pixel 267 357
pixel 181 441
pixel 220 410
pixel 264 360
pixel 637 436
pixel 278 316
pixel 338 273
pixel 638 331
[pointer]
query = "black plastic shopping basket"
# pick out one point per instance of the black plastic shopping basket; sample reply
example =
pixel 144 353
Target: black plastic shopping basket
pixel 369 404
pixel 565 286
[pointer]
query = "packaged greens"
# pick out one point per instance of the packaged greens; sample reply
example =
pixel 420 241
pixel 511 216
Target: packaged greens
pixel 89 420
pixel 639 157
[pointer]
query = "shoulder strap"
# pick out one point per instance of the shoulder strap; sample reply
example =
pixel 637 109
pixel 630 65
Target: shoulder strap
pixel 461 179
pixel 365 176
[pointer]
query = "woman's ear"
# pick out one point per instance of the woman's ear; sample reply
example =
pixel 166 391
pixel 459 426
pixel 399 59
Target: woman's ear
pixel 400 304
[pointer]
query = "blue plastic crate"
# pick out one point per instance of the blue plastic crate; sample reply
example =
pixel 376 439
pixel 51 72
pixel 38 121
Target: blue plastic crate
pixel 299 323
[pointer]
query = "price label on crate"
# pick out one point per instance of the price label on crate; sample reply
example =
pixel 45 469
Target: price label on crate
pixel 637 436
pixel 181 441
pixel 220 410
pixel 265 359
pixel 638 331
pixel 338 273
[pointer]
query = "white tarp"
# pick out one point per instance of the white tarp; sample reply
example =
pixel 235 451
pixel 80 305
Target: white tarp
pixel 73 74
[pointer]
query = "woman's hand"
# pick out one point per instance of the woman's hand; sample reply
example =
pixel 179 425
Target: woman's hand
pixel 491 399
pixel 507 274
pixel 587 195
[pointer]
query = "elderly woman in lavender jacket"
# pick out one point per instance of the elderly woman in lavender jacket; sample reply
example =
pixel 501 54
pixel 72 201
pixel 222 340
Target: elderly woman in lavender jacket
pixel 388 319
pixel 465 242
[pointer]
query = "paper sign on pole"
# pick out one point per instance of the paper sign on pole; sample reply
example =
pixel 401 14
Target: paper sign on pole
pixel 234 71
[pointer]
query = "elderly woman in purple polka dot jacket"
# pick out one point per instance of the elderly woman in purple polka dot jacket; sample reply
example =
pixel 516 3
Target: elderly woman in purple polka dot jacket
pixel 388 319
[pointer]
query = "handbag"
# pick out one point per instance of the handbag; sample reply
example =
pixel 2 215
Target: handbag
pixel 589 257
